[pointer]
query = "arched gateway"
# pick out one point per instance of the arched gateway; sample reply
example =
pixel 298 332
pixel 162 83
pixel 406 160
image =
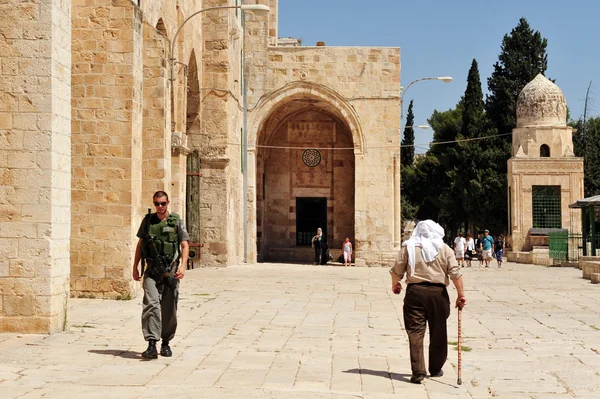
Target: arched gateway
pixel 309 167
pixel 304 140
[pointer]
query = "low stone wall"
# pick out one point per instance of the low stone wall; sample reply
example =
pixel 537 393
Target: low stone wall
pixel 589 265
pixel 519 257
pixel 538 256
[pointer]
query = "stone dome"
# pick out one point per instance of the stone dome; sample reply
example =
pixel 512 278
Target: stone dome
pixel 541 103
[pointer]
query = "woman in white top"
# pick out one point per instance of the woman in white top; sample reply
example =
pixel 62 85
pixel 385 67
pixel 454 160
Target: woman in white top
pixel 470 245
pixel 347 251
pixel 459 249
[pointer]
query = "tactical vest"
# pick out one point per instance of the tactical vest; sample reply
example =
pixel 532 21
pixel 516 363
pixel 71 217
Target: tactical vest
pixel 166 237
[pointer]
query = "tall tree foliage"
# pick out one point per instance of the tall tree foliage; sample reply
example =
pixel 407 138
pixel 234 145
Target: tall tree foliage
pixel 463 184
pixel 407 153
pixel 586 143
pixel 522 58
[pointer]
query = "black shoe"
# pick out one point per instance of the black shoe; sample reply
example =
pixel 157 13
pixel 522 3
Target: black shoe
pixel 417 378
pixel 151 352
pixel 165 349
pixel 438 374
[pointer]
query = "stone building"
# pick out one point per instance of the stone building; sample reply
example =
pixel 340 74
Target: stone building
pixel 93 120
pixel 544 176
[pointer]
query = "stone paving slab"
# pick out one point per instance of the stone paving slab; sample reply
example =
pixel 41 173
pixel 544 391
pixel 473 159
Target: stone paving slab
pixel 297 331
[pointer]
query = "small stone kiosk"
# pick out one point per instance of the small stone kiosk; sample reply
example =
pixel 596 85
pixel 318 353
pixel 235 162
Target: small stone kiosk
pixel 544 175
pixel 589 263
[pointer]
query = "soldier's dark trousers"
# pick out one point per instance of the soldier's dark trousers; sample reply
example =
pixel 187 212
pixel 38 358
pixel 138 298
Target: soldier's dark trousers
pixel 159 314
pixel 427 304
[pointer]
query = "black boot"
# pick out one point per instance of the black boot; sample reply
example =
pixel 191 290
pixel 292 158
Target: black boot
pixel 151 352
pixel 165 349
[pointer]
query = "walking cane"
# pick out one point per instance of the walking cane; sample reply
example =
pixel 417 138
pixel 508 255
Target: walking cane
pixel 459 381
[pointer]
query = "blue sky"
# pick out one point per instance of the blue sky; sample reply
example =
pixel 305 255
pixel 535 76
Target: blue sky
pixel 440 38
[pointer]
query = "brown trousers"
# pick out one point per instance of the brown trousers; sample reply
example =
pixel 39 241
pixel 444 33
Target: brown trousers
pixel 427 304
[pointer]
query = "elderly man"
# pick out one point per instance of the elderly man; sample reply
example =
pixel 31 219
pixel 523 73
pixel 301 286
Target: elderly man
pixel 428 264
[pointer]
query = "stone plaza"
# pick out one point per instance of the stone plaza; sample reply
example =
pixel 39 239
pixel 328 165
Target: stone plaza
pixel 297 331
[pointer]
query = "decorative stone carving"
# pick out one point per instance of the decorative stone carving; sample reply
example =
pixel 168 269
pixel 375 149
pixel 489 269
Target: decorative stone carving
pixel 541 103
pixel 520 153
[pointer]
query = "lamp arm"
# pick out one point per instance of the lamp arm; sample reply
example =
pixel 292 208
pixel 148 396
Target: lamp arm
pixel 181 26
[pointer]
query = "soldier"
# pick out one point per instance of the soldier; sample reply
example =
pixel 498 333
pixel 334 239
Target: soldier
pixel 162 239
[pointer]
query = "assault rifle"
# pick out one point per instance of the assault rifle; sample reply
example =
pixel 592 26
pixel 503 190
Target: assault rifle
pixel 157 263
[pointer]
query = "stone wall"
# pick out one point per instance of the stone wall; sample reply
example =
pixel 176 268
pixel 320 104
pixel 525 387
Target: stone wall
pixel 523 174
pixel 363 84
pixel 107 146
pixel 287 177
pixel 35 198
pixel 217 137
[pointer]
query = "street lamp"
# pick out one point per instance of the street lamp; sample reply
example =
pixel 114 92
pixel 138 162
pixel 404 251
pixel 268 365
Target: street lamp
pixel 445 79
pixel 244 7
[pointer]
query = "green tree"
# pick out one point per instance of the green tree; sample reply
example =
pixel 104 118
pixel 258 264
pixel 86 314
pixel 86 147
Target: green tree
pixel 473 113
pixel 522 58
pixel 586 143
pixel 407 152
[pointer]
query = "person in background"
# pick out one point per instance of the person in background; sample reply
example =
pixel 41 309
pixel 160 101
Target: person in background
pixel 470 251
pixel 498 247
pixel 459 249
pixel 487 246
pixel 478 249
pixel 347 251
pixel 317 243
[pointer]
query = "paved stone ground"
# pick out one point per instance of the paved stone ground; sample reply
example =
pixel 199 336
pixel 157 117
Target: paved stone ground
pixel 294 331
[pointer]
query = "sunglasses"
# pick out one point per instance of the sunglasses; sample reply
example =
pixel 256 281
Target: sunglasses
pixel 164 203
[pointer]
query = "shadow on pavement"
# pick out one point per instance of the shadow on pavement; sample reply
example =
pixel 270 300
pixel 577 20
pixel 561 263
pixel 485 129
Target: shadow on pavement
pixel 381 373
pixel 117 352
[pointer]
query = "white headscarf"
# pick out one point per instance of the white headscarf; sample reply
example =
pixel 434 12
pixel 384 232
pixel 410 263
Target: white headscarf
pixel 427 235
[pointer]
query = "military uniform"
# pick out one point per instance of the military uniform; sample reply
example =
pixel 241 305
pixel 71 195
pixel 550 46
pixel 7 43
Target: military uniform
pixel 161 289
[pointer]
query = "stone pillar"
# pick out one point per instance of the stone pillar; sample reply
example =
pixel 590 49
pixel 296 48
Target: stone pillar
pixel 220 197
pixel 35 198
pixel 106 146
pixel 156 143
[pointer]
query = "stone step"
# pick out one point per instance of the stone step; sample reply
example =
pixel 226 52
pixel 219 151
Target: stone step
pixel 595 277
pixel 589 268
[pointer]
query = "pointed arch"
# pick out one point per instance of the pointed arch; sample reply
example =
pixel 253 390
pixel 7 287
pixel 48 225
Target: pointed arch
pixel 193 92
pixel 320 95
pixel 160 26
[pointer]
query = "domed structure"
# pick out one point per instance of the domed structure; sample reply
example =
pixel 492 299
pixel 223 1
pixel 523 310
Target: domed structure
pixel 541 103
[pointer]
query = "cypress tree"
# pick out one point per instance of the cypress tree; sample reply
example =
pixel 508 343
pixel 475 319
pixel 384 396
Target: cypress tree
pixel 407 152
pixel 473 112
pixel 522 57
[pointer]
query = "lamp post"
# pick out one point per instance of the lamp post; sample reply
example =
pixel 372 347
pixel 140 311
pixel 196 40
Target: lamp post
pixel 243 7
pixel 445 79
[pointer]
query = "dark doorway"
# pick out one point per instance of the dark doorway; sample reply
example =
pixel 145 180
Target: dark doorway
pixel 311 213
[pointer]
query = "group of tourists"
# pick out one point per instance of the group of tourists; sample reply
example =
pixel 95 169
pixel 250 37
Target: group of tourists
pixel 426 261
pixel 484 247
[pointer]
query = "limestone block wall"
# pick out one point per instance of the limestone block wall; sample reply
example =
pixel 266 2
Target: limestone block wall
pixel 217 137
pixel 366 81
pixel 35 40
pixel 106 146
pixel 286 178
pixel 525 173
pixel 156 136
